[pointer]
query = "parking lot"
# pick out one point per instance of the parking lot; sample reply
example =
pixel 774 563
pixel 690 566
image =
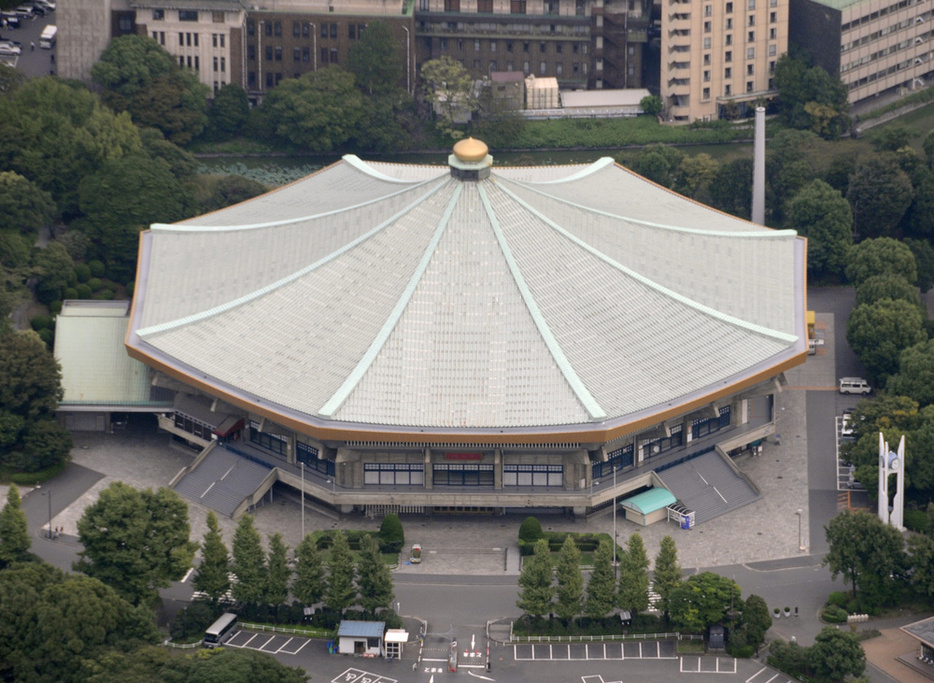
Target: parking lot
pixel 35 61
pixel 585 652
pixel 270 643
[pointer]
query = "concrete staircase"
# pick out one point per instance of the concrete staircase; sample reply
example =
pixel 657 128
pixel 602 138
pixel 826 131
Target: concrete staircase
pixel 709 486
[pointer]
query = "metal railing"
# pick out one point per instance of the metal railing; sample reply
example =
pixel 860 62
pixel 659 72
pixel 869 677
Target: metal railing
pixel 307 632
pixel 602 639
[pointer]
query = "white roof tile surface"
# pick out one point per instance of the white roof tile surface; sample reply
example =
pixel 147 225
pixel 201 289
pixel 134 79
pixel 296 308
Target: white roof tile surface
pixel 393 295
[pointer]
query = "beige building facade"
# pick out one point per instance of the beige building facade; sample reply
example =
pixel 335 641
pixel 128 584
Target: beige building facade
pixel 874 46
pixel 718 58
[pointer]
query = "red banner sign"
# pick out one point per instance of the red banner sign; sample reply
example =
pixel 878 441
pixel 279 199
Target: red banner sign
pixel 463 456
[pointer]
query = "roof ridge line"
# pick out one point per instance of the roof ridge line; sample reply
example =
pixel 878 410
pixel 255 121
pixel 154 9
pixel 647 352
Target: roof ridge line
pixel 765 233
pixel 379 341
pixel 670 293
pixel 557 353
pixel 189 227
pixel 262 291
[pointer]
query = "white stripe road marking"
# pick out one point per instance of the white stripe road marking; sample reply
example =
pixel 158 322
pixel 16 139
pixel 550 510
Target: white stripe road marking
pixel 284 644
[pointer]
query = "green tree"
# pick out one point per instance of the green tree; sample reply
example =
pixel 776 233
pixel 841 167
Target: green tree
pixel 375 60
pixel 56 132
pixel 915 376
pixel 667 574
pixel 229 112
pixel 24 206
pixel 341 592
pixel 633 592
pixel 374 579
pixel 867 553
pixel 821 214
pixel 249 563
pixel 887 286
pixel 836 655
pixel 124 196
pixel 810 98
pixel 881 256
pixel 601 588
pixel 921 559
pixel 569 591
pixel 135 541
pixel 10 79
pixel 14 534
pixel 449 89
pixel 535 582
pixel 791 164
pixel 52 266
pixel 30 378
pixel 879 332
pixel 924 259
pixel 756 619
pixel 309 572
pixel 731 189
pixel 702 600
pixel 695 174
pixel 880 193
pixel 213 575
pixel 227 190
pixel 45 443
pixel 659 163
pixel 391 533
pixel 318 111
pixel 651 105
pixel 278 573
pixel 128 66
pixel 530 531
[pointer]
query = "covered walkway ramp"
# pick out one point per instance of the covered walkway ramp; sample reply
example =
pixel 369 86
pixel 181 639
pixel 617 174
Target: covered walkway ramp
pixel 223 481
pixel 709 485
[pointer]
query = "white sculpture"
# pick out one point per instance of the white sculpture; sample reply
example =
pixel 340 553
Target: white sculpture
pixel 892 463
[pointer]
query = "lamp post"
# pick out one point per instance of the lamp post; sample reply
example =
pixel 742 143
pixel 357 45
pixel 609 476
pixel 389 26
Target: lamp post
pixel 408 61
pixel 615 568
pixel 303 500
pixel 314 42
pixel 48 493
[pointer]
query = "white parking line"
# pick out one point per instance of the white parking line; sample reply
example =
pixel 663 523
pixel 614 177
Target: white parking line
pixel 284 644
pixel 246 644
pixel 307 640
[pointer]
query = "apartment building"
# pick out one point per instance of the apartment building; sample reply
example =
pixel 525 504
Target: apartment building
pixel 582 43
pixel 874 46
pixel 718 57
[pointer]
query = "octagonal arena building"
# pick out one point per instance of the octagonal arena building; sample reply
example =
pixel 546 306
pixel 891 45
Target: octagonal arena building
pixel 474 338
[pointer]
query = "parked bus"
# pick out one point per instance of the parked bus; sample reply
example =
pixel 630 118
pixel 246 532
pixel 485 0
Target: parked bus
pixel 221 630
pixel 47 39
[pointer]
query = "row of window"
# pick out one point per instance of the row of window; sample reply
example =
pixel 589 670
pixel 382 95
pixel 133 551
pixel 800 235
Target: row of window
pixel 658 446
pixel 728 89
pixel 187 15
pixel 728 71
pixel 891 49
pixel 271 442
pixel 886 31
pixel 512 45
pixel 750 54
pixel 194 426
pixel 750 21
pixel 303 29
pixel 549 7
pixel 859 21
pixel 901 66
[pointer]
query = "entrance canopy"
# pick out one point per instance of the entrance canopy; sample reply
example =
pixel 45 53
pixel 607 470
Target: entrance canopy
pixel 650 501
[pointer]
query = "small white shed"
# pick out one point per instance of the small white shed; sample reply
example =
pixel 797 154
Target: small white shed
pixel 542 93
pixel 361 638
pixel 395 638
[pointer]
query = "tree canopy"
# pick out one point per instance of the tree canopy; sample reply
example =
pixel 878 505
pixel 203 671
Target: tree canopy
pixel 375 60
pixel 449 89
pixel 915 376
pixel 601 588
pixel 319 111
pixel 880 193
pixel 633 591
pixel 309 572
pixel 341 591
pixel 535 582
pixel 667 574
pixel 135 540
pixel 702 600
pixel 213 577
pixel 14 534
pixel 24 206
pixel 867 553
pixel 810 98
pixel 880 331
pixel 820 213
pixel 569 592
pixel 881 256
pixel 374 580
pixel 248 563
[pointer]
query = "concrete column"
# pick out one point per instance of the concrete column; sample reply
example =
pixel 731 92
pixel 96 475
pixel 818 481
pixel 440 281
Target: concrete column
pixel 291 453
pixel 498 469
pixel 758 171
pixel 429 472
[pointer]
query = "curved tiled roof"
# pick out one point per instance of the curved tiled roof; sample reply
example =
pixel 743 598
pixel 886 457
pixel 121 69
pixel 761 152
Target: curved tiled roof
pixel 400 297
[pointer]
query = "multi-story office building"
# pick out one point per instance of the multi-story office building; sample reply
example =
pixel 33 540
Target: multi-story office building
pixel 874 46
pixel 295 38
pixel 582 43
pixel 718 58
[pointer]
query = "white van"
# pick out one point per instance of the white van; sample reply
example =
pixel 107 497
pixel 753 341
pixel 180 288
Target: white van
pixel 854 385
pixel 47 39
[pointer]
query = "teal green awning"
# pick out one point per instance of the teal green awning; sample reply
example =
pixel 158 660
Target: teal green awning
pixel 650 501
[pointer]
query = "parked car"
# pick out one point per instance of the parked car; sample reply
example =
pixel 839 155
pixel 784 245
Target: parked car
pixel 846 426
pixel 9 19
pixel 24 12
pixel 854 385
pixel 44 4
pixel 6 49
pixel 38 10
pixel 7 41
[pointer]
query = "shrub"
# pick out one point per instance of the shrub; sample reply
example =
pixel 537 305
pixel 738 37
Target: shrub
pixel 84 292
pixel 70 293
pixel 104 294
pixel 47 335
pixel 99 270
pixel 917 521
pixel 95 283
pixel 834 615
pixel 193 620
pixel 837 599
pixel 42 322
pixel 391 534
pixel 82 272
pixel 530 530
pixel 741 651
pixel 129 288
pixel 55 307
